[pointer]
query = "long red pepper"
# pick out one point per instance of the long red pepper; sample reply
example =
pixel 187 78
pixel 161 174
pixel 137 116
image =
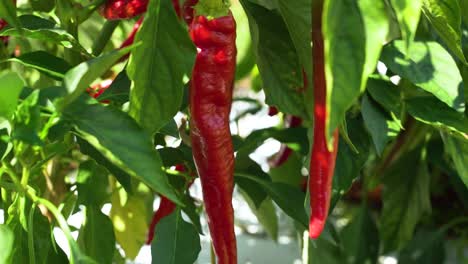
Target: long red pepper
pixel 210 104
pixel 322 162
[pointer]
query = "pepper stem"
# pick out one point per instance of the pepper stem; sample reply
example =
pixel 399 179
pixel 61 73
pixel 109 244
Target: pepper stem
pixel 212 8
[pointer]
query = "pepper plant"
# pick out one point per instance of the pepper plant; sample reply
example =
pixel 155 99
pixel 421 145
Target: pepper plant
pixel 110 106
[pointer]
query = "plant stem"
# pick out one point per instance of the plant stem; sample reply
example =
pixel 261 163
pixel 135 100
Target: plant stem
pixel 106 33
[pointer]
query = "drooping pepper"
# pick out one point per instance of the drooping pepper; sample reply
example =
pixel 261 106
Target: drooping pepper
pixel 210 104
pixel 123 9
pixel 322 162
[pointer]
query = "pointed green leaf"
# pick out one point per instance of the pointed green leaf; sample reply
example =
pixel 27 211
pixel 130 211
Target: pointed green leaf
pixel 378 123
pixel 175 241
pixel 80 77
pixel 97 238
pixel 429 66
pixel 408 13
pixel 405 199
pixel 445 17
pixel 44 62
pixel 345 47
pixel 431 111
pixel 158 66
pixel 457 147
pixel 277 60
pixel 119 138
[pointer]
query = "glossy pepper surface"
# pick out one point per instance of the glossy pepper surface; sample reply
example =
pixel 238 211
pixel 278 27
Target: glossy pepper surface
pixel 123 9
pixel 322 162
pixel 210 104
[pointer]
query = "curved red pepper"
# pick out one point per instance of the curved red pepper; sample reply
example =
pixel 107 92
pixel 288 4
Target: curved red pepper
pixel 210 104
pixel 123 9
pixel 322 161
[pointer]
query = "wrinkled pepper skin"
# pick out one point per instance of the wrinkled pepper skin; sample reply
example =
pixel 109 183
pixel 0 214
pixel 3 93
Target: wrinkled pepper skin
pixel 322 162
pixel 123 9
pixel 210 104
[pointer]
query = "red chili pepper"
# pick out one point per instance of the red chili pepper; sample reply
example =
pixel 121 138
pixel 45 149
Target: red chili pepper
pixel 272 111
pixel 322 162
pixel 210 104
pixel 188 11
pixel 4 39
pixel 123 9
pixel 177 9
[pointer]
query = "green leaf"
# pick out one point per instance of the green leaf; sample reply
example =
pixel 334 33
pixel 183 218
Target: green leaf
pixel 253 190
pixel 7 240
pixel 426 247
pixel 405 199
pixel 360 238
pixel 345 47
pixel 97 238
pixel 348 162
pixel 35 27
pixel 80 77
pixel 191 211
pixel 431 111
pixel 42 5
pixel 27 122
pixel 277 60
pixel 297 16
pixel 457 147
pixel 176 241
pixel 120 174
pixel 11 85
pixel 408 13
pixel 129 216
pixel 44 62
pixel 92 182
pixel 445 17
pixel 386 94
pixel 429 66
pixel 288 198
pixel 289 172
pixel 381 128
pixel 158 66
pixel 376 26
pixel 119 138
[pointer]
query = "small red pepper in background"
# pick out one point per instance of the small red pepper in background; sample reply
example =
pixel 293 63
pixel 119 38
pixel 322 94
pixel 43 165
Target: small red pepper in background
pixel 166 207
pixel 188 11
pixel 176 5
pixel 272 111
pixel 4 39
pixel 211 92
pixel 123 9
pixel 322 161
